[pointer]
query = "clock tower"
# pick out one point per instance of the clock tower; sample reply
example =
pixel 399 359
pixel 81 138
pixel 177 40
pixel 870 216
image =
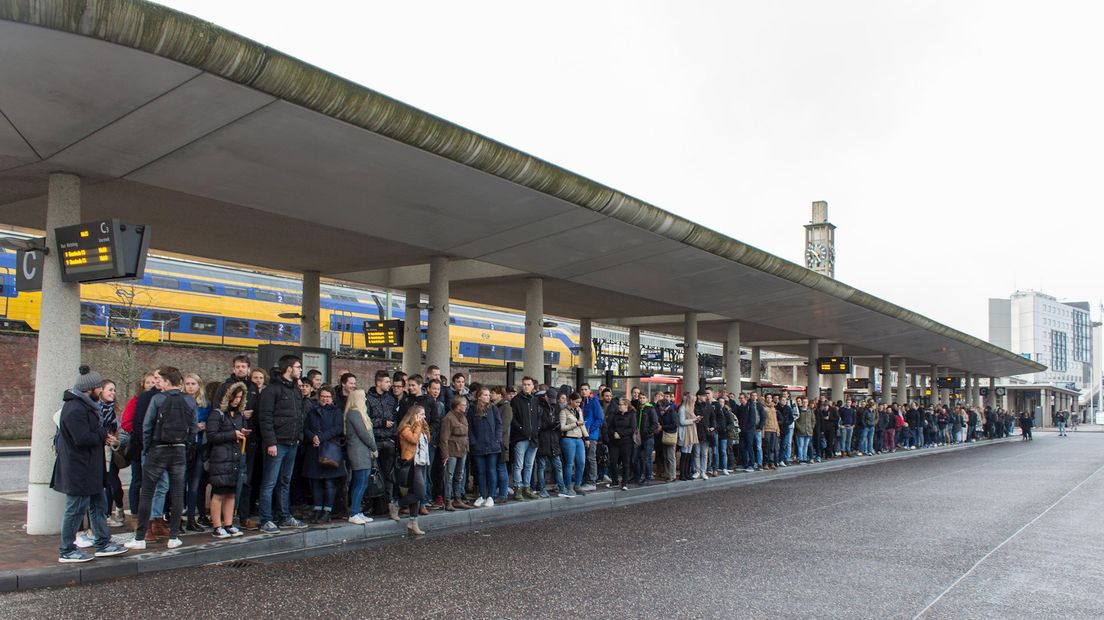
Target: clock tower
pixel 820 241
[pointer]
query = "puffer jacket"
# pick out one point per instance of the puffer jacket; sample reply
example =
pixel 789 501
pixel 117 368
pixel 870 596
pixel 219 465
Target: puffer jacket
pixel 548 438
pixel 621 423
pixel 79 468
pixel 223 448
pixel 569 423
pixel 526 423
pixel 280 413
pixel 382 408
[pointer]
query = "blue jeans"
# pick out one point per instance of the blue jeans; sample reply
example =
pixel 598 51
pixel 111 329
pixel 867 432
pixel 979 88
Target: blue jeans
pixel 866 439
pixel 525 452
pixel 786 439
pixel 502 480
pixel 643 456
pixel 720 451
pixel 574 460
pixel 135 491
pixel 486 464
pixel 843 440
pixel 358 487
pixel 276 478
pixel 917 437
pixel 538 475
pixel 758 448
pixel 323 492
pixel 75 508
pixel 454 478
pixel 802 447
pixel 1061 428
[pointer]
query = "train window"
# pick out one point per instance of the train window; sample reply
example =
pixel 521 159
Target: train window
pixel 204 324
pixel 490 351
pixel 287 332
pixel 514 354
pixel 294 299
pixel 170 320
pixel 552 357
pixel 346 298
pixel 265 295
pixel 235 327
pixel 88 314
pixel 236 291
pixel 163 282
pixel 203 287
pixel 267 331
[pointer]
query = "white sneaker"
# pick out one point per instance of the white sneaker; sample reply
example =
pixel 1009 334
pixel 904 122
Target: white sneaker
pixel 137 545
pixel 705 476
pixel 479 503
pixel 782 464
pixel 84 541
pixel 357 519
pixel 174 543
pixel 695 476
pixel 490 503
pixel 728 472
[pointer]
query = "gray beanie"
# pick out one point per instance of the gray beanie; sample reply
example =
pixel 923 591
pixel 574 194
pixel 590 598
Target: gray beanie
pixel 88 380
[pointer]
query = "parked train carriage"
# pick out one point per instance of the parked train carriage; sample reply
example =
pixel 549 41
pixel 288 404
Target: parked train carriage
pixel 183 301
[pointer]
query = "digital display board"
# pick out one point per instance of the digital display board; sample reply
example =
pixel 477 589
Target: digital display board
pixel 834 365
pixel 861 383
pixel 383 333
pixel 102 250
pixel 949 383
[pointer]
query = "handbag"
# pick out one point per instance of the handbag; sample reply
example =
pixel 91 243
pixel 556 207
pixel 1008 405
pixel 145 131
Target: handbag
pixel 404 472
pixel 669 439
pixel 376 486
pixel 329 455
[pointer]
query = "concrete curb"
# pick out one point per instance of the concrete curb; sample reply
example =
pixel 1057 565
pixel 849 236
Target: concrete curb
pixel 347 537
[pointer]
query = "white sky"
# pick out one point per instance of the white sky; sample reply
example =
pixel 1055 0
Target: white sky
pixel 958 143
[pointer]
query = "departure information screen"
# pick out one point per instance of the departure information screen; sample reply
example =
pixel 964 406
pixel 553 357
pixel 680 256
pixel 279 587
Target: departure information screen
pixel 87 252
pixel 383 333
pixel 834 365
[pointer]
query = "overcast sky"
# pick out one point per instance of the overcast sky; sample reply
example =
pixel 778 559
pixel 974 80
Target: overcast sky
pixel 960 144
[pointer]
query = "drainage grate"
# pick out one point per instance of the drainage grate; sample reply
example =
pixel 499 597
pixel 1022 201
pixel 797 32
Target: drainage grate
pixel 237 564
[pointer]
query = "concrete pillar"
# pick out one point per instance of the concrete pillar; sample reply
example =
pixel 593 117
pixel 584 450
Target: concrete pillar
pixel 690 354
pixel 934 389
pixel 634 359
pixel 839 382
pixel 412 332
pixel 991 398
pixel 534 328
pixel 902 381
pixel 438 346
pixel 310 334
pixel 732 357
pixel 812 387
pixel 968 389
pixel 887 379
pixel 756 365
pixel 586 345
pixel 58 359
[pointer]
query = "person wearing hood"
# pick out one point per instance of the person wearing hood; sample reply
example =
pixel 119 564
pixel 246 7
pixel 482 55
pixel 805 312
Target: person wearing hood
pixel 80 468
pixel 524 432
pixel 225 441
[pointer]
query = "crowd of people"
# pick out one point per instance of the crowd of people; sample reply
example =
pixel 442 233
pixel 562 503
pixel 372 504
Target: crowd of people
pixel 223 457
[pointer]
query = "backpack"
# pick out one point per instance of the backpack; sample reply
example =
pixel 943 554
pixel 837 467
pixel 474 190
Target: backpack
pixel 174 420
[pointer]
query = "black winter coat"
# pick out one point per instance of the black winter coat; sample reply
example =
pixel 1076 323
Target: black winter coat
pixel 328 424
pixel 280 413
pixel 525 426
pixel 383 408
pixel 548 440
pixel 79 468
pixel 621 423
pixel 223 448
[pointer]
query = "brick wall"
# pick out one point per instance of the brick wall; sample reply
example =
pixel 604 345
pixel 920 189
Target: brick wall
pixel 111 359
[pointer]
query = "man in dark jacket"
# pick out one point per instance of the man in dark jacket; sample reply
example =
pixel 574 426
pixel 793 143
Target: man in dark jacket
pixel 524 431
pixel 548 443
pixel 79 469
pixel 280 417
pixel 620 425
pixel 719 464
pixel 647 422
pixel 383 410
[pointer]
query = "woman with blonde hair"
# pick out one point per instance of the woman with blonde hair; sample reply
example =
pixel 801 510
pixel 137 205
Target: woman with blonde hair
pixel 360 451
pixel 413 460
pixel 687 436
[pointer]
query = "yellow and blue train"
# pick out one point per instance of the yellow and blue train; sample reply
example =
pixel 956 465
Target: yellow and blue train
pixel 180 300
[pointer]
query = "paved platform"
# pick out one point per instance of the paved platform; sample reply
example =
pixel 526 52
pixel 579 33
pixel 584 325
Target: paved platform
pixel 30 562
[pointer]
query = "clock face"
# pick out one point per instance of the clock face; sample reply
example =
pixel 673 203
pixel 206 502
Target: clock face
pixel 816 254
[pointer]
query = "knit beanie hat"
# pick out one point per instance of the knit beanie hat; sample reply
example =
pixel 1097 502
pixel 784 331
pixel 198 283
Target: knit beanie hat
pixel 88 380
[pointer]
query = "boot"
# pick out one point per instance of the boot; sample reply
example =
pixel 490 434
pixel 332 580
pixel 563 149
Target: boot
pixel 324 518
pixel 529 494
pixel 193 526
pixel 151 536
pixel 412 527
pixel 423 511
pixel 316 516
pixel 393 511
pixel 461 504
pixel 448 506
pixel 518 495
pixel 159 527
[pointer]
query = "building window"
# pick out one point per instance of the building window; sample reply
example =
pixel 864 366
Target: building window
pixel 1058 352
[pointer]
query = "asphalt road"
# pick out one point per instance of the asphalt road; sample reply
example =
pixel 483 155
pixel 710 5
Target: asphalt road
pixel 999 531
pixel 13 473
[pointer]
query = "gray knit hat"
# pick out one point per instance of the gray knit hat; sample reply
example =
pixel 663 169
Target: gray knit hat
pixel 88 380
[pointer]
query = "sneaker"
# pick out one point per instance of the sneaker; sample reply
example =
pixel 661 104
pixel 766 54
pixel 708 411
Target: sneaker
pixel 75 556
pixel 543 495
pixel 114 521
pixel 293 523
pixel 490 503
pixel 270 528
pixel 606 480
pixel 234 531
pixel 782 464
pixel 695 476
pixel 587 488
pixel 220 532
pixel 568 494
pixel 111 549
pixel 530 494
pixel 728 472
pixel 84 541
pixel 174 543
pixel 137 545
pixel 624 488
pixel 705 476
pixel 479 503
pixel 748 470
